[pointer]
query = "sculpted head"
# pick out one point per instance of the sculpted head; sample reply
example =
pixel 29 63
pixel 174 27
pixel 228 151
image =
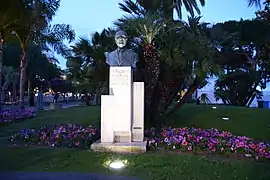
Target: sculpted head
pixel 121 39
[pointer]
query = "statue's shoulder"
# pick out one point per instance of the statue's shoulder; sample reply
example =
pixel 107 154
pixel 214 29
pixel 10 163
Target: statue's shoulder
pixel 132 52
pixel 113 52
pixel 134 56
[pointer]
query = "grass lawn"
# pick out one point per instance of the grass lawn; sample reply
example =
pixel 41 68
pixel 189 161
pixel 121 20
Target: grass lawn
pixel 152 165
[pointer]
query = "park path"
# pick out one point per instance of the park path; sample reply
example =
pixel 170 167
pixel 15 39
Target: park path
pixel 68 105
pixel 60 175
pixel 47 106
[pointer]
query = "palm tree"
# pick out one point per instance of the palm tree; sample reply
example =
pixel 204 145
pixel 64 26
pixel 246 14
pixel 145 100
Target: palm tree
pixel 171 52
pixel 36 28
pixel 87 67
pixel 11 78
pixel 9 14
pixel 201 62
pixel 148 29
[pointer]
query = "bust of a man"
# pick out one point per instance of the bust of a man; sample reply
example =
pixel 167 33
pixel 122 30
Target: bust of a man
pixel 122 56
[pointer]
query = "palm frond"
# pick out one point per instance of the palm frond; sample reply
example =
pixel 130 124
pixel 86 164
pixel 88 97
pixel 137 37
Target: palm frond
pixel 256 3
pixel 189 5
pixel 131 7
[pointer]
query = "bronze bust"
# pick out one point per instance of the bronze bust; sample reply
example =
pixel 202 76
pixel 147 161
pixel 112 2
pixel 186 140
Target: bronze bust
pixel 122 56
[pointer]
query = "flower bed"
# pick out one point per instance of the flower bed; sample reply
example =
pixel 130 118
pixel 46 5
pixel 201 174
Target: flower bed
pixel 61 135
pixel 208 141
pixel 10 115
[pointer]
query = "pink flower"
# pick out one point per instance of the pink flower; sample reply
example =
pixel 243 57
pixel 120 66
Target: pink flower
pixel 253 146
pixel 210 145
pixel 267 155
pixel 184 143
pixel 240 144
pixel 77 143
pixel 189 148
pixel 262 151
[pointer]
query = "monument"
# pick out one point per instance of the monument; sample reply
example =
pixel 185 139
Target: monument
pixel 122 111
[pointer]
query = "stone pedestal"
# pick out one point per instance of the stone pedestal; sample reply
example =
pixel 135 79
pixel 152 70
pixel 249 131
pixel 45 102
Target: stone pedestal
pixel 138 112
pixel 107 132
pixel 127 148
pixel 120 84
pixel 122 114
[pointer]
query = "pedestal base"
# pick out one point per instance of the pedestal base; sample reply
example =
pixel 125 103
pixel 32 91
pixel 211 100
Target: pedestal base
pixel 129 148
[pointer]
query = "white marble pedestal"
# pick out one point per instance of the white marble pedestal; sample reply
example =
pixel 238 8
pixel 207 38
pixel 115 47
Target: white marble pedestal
pixel 122 114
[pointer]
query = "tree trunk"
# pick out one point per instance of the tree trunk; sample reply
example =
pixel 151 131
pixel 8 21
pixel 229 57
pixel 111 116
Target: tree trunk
pixel 28 89
pixel 189 93
pixel 1 68
pixel 22 77
pixel 152 70
pixel 169 91
pixel 251 99
pixel 14 91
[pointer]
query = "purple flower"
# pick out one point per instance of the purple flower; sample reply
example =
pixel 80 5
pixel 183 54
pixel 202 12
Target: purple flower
pixel 63 135
pixel 10 115
pixel 209 140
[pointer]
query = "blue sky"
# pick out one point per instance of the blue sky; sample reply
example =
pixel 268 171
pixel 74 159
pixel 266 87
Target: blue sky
pixel 88 16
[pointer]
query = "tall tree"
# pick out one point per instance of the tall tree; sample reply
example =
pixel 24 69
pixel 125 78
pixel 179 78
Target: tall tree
pixel 243 60
pixel 35 27
pixel 170 54
pixel 37 62
pixel 11 77
pixel 10 12
pixel 87 67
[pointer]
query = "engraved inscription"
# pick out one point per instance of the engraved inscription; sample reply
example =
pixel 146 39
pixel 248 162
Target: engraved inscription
pixel 119 77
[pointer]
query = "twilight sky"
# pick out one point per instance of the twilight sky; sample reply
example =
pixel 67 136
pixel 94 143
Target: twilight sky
pixel 88 16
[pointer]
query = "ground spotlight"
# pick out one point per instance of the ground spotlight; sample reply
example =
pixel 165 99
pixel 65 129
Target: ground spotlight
pixel 117 165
